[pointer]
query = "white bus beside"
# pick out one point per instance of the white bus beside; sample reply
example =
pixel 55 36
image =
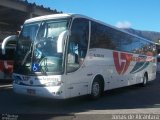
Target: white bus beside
pixel 7 48
pixel 67 55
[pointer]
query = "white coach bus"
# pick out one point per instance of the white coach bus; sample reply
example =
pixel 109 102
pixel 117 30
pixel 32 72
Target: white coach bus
pixel 67 55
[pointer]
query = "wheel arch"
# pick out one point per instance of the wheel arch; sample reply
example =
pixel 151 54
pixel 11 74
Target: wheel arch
pixel 144 79
pixel 97 77
pixel 146 74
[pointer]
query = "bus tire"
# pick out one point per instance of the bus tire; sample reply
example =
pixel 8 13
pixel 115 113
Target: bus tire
pixel 145 80
pixel 97 89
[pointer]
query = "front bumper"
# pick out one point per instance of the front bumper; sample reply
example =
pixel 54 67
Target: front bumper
pixel 54 92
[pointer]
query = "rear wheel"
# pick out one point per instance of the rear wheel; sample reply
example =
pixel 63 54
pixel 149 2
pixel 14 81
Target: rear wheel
pixel 145 80
pixel 97 89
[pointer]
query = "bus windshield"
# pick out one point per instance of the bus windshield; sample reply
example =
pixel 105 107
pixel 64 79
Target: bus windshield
pixel 37 48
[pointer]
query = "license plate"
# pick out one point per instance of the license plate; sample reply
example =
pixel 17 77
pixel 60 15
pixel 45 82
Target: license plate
pixel 31 91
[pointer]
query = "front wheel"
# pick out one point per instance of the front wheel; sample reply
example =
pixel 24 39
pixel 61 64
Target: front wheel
pixel 96 90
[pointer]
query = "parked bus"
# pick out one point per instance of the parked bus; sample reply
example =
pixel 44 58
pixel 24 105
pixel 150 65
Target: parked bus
pixel 7 59
pixel 67 55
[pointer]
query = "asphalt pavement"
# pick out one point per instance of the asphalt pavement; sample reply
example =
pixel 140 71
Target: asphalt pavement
pixel 127 101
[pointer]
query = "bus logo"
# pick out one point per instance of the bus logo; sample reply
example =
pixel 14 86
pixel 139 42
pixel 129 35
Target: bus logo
pixel 121 61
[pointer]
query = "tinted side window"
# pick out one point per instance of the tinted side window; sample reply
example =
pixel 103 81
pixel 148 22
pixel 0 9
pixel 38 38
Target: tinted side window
pixel 143 47
pixel 115 38
pixel 105 37
pixel 135 45
pixel 126 42
pixel 80 35
pixel 153 49
pixel 148 48
pixel 78 44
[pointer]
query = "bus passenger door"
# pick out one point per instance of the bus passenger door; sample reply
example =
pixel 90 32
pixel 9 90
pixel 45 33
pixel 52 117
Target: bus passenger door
pixel 76 77
pixel 77 83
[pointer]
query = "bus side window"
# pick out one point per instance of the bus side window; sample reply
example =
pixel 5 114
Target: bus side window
pixel 78 44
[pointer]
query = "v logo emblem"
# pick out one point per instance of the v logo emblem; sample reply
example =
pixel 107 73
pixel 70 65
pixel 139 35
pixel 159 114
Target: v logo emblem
pixel 122 61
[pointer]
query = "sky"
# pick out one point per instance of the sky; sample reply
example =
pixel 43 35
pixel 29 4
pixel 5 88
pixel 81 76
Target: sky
pixel 136 14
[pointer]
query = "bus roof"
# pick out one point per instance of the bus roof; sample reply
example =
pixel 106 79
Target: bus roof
pixel 55 16
pixel 46 17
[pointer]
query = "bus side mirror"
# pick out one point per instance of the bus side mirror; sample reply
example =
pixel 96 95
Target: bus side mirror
pixel 61 38
pixel 5 41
